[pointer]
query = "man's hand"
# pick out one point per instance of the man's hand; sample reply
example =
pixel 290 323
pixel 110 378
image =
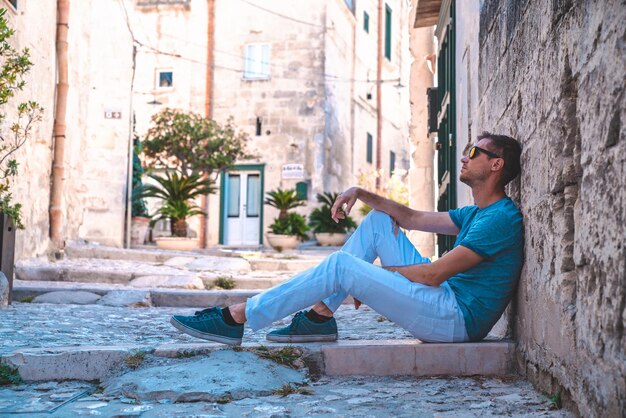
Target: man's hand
pixel 347 198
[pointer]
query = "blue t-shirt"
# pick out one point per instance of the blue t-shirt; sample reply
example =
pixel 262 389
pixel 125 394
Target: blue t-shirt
pixel 496 233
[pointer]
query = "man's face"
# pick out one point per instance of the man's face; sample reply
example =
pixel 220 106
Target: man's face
pixel 477 169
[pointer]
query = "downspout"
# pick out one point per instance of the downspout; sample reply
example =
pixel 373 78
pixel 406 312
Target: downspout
pixel 58 163
pixel 379 88
pixel 208 110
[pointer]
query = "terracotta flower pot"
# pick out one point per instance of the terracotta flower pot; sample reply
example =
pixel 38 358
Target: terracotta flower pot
pixel 282 242
pixel 177 243
pixel 330 238
pixel 138 229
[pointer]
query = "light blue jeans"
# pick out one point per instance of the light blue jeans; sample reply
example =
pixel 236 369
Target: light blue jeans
pixel 430 313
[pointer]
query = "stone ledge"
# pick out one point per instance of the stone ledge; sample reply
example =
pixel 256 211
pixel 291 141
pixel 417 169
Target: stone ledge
pixel 342 358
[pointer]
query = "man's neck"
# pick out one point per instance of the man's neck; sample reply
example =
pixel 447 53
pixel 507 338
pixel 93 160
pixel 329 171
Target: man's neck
pixel 485 196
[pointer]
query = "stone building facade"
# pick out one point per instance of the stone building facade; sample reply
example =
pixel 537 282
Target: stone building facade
pixel 127 60
pixel 552 75
pixel 299 81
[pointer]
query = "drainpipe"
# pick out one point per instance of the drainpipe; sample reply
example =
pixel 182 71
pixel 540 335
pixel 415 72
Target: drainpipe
pixel 208 109
pixel 379 101
pixel 58 168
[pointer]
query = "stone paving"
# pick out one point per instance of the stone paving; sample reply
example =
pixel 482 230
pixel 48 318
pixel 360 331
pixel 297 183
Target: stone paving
pixel 326 397
pixel 96 325
pixel 45 325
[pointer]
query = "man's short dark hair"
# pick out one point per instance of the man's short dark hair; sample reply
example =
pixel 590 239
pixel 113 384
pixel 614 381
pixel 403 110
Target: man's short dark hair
pixel 510 150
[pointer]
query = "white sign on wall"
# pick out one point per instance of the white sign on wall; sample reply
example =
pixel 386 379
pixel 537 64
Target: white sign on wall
pixel 112 114
pixel 293 171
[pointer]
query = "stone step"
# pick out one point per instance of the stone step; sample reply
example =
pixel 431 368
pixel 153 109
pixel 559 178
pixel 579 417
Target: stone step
pixel 342 358
pixel 170 298
pixel 157 297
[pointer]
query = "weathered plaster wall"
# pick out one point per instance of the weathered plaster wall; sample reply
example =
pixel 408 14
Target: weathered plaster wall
pixel 421 173
pixel 32 186
pixel 552 74
pixel 96 158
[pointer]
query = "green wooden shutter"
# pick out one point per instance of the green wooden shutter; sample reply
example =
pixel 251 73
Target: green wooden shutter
pixel 370 146
pixel 446 122
pixel 366 22
pixel 387 32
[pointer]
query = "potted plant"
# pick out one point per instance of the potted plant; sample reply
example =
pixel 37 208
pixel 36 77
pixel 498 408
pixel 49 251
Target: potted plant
pixel 14 65
pixel 288 229
pixel 192 151
pixel 140 219
pixel 177 194
pixel 327 231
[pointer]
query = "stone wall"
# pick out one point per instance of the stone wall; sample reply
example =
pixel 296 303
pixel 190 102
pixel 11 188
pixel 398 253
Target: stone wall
pixel 32 185
pixel 552 75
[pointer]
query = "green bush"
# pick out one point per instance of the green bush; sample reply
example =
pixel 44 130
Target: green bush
pixel 293 224
pixel 321 221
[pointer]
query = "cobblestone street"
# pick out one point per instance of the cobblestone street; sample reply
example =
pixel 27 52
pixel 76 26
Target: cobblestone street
pixel 26 325
pixel 327 397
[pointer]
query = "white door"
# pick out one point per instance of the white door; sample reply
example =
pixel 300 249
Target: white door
pixel 243 208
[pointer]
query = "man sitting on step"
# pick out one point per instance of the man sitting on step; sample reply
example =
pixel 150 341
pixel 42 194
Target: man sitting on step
pixel 457 298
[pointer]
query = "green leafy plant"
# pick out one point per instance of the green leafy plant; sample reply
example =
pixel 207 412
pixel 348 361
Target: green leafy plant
pixel 177 193
pixel 395 188
pixel 138 204
pixel 190 144
pixel 287 356
pixel 13 67
pixel 283 200
pixel 225 283
pixel 134 359
pixel 293 224
pixel 9 375
pixel 321 221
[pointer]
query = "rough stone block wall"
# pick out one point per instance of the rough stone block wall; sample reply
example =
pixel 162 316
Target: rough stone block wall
pixel 552 74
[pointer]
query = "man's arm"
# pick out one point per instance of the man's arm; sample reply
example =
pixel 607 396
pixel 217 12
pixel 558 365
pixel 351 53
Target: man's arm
pixel 456 261
pixel 407 218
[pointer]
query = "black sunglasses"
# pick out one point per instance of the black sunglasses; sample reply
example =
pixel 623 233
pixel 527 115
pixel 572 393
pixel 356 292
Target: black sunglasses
pixel 472 152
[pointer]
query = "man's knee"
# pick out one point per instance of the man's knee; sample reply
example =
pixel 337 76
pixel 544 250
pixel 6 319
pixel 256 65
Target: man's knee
pixel 376 217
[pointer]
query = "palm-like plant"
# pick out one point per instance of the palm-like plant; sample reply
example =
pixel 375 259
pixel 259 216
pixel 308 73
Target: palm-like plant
pixel 320 219
pixel 283 200
pixel 177 193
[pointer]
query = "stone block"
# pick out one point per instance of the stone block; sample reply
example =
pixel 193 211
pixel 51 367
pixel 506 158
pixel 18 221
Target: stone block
pixel 39 273
pixel 412 358
pixel 97 276
pixel 220 374
pixel 74 297
pixel 169 281
pixel 68 363
pixel 132 298
pixel 4 291
pixel 179 261
pixel 199 299
pixel 220 264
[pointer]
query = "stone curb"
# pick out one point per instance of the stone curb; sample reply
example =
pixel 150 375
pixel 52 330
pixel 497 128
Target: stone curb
pixel 161 298
pixel 343 358
pixel 170 298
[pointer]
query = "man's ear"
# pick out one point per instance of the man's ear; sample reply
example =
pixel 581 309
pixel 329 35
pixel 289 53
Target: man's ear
pixel 497 164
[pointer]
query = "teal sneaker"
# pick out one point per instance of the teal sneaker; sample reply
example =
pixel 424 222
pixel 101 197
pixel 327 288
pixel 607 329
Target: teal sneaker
pixel 303 330
pixel 209 324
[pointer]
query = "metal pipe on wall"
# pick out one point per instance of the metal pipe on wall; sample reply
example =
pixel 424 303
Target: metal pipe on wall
pixel 59 130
